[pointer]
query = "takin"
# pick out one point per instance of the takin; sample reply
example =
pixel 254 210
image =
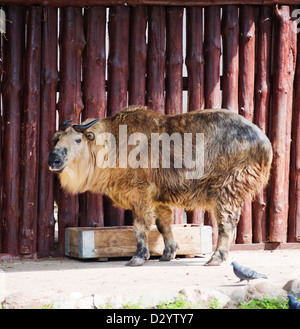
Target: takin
pixel 149 163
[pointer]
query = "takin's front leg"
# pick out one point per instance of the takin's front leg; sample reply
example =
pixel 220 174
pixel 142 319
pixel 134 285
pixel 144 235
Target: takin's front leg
pixel 142 252
pixel 227 222
pixel 164 220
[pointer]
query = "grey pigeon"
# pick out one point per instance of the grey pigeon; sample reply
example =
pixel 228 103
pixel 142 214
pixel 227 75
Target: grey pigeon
pixel 293 304
pixel 246 273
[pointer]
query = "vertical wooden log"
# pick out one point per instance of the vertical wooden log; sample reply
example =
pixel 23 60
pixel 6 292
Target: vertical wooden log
pixel 94 95
pixel 195 68
pixel 119 18
pixel 282 86
pixel 70 103
pixel 212 53
pixel 230 33
pixel 156 58
pixel 12 93
pixel 261 111
pixel 212 93
pixel 30 146
pixel 49 77
pixel 294 200
pixel 174 62
pixel 138 56
pixel 1 109
pixel 246 99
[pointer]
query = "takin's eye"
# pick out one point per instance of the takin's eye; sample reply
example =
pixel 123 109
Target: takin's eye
pixel 78 141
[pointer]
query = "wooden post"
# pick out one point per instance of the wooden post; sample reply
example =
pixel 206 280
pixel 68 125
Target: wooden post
pixel 246 96
pixel 174 62
pixel 1 108
pixel 156 58
pixel 94 95
pixel 70 103
pixel 138 56
pixel 49 76
pixel 195 68
pixel 212 94
pixel 230 34
pixel 282 86
pixel 261 111
pixel 294 207
pixel 118 29
pixel 30 146
pixel 212 53
pixel 13 106
pixel 294 188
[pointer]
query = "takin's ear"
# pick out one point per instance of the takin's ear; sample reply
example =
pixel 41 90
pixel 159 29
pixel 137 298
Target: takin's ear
pixel 57 135
pixel 89 135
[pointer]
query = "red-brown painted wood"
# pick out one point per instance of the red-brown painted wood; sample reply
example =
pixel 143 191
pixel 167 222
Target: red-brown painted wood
pixel 195 68
pixel 30 134
pixel 70 103
pixel 12 93
pixel 118 65
pixel 261 111
pixel 94 97
pixel 246 98
pixel 156 58
pixel 49 77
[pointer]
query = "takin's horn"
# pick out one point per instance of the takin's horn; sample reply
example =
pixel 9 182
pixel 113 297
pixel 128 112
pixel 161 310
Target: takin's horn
pixel 65 125
pixel 82 128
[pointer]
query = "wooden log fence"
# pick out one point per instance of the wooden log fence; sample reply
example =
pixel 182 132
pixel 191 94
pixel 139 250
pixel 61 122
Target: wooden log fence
pixel 75 63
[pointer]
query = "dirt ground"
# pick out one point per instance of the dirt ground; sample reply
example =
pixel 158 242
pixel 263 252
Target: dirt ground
pixel 42 279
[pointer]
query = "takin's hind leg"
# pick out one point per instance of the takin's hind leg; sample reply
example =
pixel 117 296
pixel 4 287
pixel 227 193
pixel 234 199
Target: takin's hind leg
pixel 227 221
pixel 164 220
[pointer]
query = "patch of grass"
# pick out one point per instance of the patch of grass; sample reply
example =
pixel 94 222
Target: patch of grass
pixel 180 303
pixel 132 306
pixel 214 304
pixel 266 303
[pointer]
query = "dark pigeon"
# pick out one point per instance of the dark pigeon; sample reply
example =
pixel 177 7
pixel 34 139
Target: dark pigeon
pixel 246 273
pixel 293 304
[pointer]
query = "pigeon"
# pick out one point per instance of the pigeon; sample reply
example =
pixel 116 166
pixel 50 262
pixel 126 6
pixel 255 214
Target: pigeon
pixel 293 304
pixel 246 273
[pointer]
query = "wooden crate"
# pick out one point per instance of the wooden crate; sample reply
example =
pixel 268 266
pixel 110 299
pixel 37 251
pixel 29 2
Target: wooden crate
pixel 119 241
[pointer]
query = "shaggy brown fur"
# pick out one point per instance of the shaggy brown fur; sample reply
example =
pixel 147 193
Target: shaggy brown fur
pixel 237 160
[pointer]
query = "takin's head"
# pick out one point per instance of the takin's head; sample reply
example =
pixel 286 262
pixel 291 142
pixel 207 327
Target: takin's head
pixel 71 153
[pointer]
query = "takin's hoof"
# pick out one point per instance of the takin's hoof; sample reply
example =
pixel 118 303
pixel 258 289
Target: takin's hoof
pixel 135 261
pixel 215 260
pixel 167 257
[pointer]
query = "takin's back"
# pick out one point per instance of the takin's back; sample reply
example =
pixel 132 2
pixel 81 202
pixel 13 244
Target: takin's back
pixel 232 147
pixel 228 137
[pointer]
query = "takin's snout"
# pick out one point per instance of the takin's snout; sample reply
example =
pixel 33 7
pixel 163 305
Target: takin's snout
pixel 57 160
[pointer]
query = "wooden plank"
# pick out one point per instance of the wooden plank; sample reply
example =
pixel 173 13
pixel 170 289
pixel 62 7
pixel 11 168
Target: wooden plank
pixel 195 68
pixel 120 241
pixel 70 103
pixel 261 111
pixel 30 145
pixel 118 66
pixel 1 109
pixel 94 98
pixel 212 92
pixel 76 3
pixel 282 85
pixel 49 77
pixel 174 62
pixel 13 51
pixel 230 34
pixel 137 56
pixel 294 193
pixel 246 97
pixel 156 58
